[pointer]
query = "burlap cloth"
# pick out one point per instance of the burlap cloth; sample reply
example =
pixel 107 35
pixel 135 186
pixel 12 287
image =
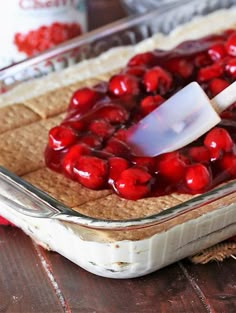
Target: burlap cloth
pixel 218 252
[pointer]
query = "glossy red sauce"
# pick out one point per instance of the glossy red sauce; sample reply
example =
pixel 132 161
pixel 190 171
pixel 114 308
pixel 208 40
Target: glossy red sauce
pixel 89 145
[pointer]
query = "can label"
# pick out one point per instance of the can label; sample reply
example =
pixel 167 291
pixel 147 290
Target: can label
pixel 32 26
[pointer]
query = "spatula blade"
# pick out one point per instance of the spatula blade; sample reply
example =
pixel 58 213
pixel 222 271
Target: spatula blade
pixel 177 122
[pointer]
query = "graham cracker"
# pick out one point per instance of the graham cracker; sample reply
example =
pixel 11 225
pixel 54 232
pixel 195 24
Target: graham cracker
pixel 51 122
pixel 182 197
pixel 63 189
pixel 56 101
pixel 116 208
pixel 15 116
pixel 22 149
pixel 51 103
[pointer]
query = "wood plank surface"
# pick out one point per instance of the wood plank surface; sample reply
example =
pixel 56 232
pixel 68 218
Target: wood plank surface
pixel 167 290
pixel 215 283
pixel 24 285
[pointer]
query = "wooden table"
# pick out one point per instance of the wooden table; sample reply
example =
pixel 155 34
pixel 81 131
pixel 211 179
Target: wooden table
pixel 33 280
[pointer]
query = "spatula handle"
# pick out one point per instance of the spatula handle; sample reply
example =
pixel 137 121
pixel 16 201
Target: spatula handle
pixel 225 98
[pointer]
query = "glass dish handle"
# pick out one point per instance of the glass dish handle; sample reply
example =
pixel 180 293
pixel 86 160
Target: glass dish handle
pixel 25 198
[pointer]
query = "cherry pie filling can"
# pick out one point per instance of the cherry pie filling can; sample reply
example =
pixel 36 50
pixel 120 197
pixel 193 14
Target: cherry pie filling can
pixel 29 27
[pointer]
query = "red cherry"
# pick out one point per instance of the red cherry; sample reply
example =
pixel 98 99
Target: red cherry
pixel 202 59
pixel 102 154
pixel 135 70
pixel 180 66
pixel 127 102
pixel 113 113
pixel 228 164
pixel 91 172
pixel 101 128
pixel 217 51
pixel 209 72
pixel 122 85
pixel 171 166
pixel 121 134
pixel 146 162
pixel 230 44
pixel 73 123
pixel 53 158
pixel 199 154
pixel 146 58
pixel 228 115
pixel 218 139
pixel 117 148
pixel 71 157
pixel 149 103
pixel 157 80
pixel 116 166
pixel 83 99
pixel 133 183
pixel 216 85
pixel 230 67
pixel 92 141
pixel 61 137
pixel 197 177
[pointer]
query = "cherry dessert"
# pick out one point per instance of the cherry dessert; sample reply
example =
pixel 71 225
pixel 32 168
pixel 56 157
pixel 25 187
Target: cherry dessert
pixel 90 144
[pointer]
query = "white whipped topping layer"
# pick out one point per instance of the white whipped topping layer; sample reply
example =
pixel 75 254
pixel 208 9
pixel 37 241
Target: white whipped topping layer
pixel 127 259
pixel 198 27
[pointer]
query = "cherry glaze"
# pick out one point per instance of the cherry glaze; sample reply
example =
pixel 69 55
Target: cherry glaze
pixel 89 146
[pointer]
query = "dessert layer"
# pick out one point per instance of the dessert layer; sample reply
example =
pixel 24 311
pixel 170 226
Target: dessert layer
pixel 15 116
pixel 22 147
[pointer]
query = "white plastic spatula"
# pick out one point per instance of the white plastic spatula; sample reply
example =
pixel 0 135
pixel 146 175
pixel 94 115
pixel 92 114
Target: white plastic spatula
pixel 179 121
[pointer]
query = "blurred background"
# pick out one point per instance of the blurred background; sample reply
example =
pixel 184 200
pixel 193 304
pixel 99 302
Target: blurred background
pixel 108 9
pixel 30 28
pixel 106 12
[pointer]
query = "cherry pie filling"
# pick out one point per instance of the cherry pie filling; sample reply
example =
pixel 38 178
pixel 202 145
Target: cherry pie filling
pixel 89 146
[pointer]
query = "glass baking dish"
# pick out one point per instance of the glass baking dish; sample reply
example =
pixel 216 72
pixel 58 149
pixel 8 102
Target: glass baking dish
pixel 117 248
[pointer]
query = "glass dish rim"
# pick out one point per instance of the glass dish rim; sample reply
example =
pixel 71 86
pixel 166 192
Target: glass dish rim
pixel 56 210
pixel 92 222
